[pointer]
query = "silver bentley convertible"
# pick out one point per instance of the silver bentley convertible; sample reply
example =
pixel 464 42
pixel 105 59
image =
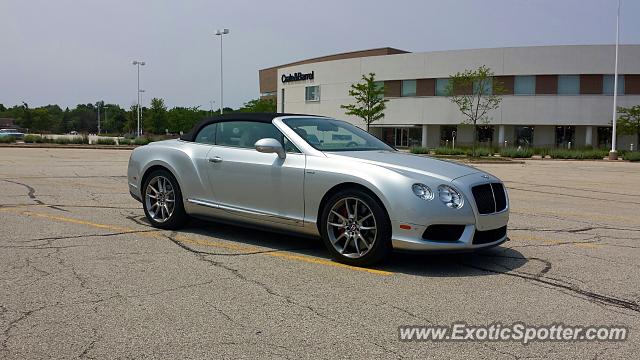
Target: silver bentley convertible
pixel 322 177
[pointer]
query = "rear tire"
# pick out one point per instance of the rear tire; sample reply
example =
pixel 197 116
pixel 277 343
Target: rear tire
pixel 355 228
pixel 162 201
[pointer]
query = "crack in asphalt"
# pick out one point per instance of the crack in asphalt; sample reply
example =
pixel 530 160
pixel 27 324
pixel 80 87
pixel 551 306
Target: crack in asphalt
pixel 31 191
pixel 202 256
pixel 592 296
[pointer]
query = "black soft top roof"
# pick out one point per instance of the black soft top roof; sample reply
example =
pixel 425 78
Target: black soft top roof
pixel 257 117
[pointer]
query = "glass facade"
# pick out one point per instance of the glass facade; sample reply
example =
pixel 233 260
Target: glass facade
pixel 564 136
pixel 447 133
pixel 441 86
pixel 568 84
pixel 607 84
pixel 402 136
pixel 524 135
pixel 604 136
pixel 484 134
pixel 408 88
pixel 524 85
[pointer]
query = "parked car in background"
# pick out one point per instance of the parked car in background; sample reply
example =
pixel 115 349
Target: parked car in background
pixel 321 177
pixel 12 133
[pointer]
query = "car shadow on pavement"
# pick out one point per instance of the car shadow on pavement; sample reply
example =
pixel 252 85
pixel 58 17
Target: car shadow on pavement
pixel 485 262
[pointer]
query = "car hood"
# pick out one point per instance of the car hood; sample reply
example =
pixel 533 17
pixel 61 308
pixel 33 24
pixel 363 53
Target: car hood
pixel 409 164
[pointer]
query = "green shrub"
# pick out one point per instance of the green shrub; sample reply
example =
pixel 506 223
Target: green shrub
pixel 33 139
pixel 449 151
pixel 632 156
pixel 419 150
pixel 142 141
pixel 105 141
pixel 480 152
pixel 125 141
pixel 62 141
pixel 7 139
pixel 516 153
pixel 577 154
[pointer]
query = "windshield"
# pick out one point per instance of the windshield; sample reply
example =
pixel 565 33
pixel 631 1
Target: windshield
pixel 334 135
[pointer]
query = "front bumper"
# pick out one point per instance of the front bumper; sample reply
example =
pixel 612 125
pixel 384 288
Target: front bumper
pixel 411 240
pixel 471 229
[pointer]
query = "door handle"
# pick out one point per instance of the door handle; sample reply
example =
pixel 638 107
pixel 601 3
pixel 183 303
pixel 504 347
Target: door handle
pixel 215 159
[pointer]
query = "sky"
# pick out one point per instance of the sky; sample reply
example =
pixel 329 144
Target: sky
pixel 80 51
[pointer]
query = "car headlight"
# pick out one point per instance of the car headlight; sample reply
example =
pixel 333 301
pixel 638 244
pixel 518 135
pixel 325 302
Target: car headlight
pixel 423 191
pixel 450 196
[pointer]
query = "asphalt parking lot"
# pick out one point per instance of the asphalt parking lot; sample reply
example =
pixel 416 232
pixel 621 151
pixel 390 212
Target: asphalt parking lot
pixel 84 276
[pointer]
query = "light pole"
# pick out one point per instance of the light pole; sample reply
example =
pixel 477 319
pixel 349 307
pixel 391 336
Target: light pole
pixel 98 108
pixel 613 154
pixel 139 63
pixel 221 33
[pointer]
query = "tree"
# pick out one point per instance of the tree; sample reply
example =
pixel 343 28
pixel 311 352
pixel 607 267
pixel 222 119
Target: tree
pixel 259 105
pixel 369 100
pixel 629 122
pixel 475 93
pixel 156 121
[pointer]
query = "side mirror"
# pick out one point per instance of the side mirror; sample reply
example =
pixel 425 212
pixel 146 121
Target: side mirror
pixel 270 145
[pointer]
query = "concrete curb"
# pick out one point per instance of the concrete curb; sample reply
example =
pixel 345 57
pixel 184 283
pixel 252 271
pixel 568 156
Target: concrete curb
pixel 70 146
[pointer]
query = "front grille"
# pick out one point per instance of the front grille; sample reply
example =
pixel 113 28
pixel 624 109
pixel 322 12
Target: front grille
pixel 443 232
pixel 489 236
pixel 490 198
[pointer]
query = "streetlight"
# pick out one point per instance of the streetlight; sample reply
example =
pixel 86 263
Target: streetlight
pixel 613 154
pixel 139 63
pixel 221 33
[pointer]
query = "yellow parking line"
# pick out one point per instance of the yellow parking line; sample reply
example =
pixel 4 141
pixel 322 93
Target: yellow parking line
pixel 216 244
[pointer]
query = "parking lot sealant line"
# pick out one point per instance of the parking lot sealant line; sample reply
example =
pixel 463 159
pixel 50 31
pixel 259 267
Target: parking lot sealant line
pixel 157 235
pixel 591 296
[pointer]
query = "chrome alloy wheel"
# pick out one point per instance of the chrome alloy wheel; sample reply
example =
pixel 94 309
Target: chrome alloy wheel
pixel 160 199
pixel 351 227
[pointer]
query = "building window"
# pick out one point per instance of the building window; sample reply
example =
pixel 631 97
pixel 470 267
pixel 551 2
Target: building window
pixel 524 85
pixel 312 93
pixel 379 85
pixel 485 134
pixel 564 136
pixel 604 136
pixel 441 86
pixel 607 84
pixel 524 136
pixel 447 133
pixel 568 84
pixel 408 88
pixel 402 137
pixel 488 87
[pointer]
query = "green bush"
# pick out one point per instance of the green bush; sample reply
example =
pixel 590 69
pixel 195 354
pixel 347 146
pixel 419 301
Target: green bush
pixel 142 141
pixel 449 151
pixel 33 139
pixel 125 141
pixel 7 139
pixel 632 156
pixel 516 153
pixel 105 141
pixel 419 150
pixel 577 154
pixel 62 141
pixel 480 152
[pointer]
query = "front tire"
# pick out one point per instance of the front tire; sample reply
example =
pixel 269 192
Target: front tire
pixel 162 201
pixel 355 228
